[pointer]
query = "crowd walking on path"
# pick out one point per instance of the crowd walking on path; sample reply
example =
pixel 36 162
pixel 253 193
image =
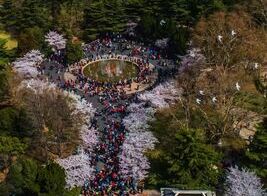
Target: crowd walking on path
pixel 111 102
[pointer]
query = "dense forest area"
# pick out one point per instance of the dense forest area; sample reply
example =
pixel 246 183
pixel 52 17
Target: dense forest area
pixel 221 48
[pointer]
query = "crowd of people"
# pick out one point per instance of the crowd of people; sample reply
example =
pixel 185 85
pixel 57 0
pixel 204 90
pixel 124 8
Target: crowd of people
pixel 93 87
pixel 114 102
pixel 107 180
pixel 111 108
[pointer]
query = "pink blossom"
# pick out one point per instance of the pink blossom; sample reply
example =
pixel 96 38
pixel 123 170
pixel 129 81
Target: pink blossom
pixel 243 182
pixel 162 95
pixel 55 40
pixel 28 64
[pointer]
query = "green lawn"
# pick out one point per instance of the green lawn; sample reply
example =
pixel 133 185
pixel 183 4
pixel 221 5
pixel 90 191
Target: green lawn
pixel 120 70
pixel 11 43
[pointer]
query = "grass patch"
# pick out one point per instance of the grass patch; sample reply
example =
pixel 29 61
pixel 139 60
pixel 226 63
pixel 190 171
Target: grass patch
pixel 110 70
pixel 11 43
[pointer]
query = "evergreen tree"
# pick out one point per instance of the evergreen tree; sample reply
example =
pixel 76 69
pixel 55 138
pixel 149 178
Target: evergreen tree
pixel 9 147
pixel 7 16
pixel 52 179
pixel 104 17
pixel 189 164
pixel 30 38
pixel 28 14
pixel 3 53
pixel 26 177
pixel 74 52
pixel 22 178
pixel 256 154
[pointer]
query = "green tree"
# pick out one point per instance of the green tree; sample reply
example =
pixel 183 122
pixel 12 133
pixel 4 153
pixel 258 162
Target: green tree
pixel 30 38
pixel 22 178
pixel 26 177
pixel 3 83
pixel 74 52
pixel 185 12
pixel 189 164
pixel 5 71
pixel 29 13
pixel 4 55
pixel 256 154
pixel 104 17
pixel 52 179
pixel 9 147
pixel 15 122
pixel 148 27
pixel 7 119
pixel 7 16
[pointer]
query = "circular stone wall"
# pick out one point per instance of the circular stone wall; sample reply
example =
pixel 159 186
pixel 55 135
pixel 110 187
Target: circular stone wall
pixel 112 70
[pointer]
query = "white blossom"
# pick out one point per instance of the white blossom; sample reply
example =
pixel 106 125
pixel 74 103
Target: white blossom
pixel 38 86
pixel 81 106
pixel 138 117
pixel 162 43
pixel 89 137
pixel 133 162
pixel 161 95
pixel 55 40
pixel 243 182
pixel 194 57
pixel 27 66
pixel 132 159
pixel 78 168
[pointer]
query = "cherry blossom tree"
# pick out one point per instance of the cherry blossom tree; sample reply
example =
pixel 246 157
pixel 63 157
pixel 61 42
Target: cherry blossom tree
pixel 243 182
pixel 55 40
pixel 138 117
pixel 37 86
pixel 78 168
pixel 27 66
pixel 81 107
pixel 161 95
pixel 133 162
pixel 89 137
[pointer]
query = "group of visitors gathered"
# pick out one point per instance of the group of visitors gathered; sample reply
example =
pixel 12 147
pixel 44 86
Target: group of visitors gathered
pixel 107 179
pixel 112 102
pixel 92 87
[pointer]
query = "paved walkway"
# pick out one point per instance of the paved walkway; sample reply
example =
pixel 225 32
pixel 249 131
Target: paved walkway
pixel 104 116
